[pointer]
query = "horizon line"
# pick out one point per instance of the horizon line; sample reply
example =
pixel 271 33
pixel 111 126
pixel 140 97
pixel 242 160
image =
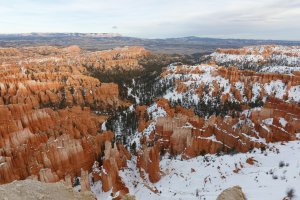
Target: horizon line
pixel 115 34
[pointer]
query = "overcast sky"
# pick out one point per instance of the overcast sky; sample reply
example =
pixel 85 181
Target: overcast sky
pixel 256 19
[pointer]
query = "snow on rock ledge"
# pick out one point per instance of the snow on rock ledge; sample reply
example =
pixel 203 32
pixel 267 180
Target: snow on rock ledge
pixel 266 58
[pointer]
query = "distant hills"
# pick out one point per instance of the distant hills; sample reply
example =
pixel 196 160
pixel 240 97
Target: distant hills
pixel 14 35
pixel 101 41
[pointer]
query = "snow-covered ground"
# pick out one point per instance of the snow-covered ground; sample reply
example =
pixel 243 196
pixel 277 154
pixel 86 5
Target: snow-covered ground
pixel 276 171
pixel 193 81
pixel 278 59
pixel 129 93
pixel 279 69
pixel 155 111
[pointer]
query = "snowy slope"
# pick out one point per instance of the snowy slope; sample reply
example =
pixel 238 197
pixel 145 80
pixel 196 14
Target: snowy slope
pixel 279 69
pixel 207 77
pixel 274 171
pixel 260 58
pixel 265 180
pixel 210 175
pixel 155 111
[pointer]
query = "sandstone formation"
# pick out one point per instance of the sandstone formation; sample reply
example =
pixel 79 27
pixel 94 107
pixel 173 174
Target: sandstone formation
pixel 234 193
pixel 51 114
pixel 182 132
pixel 115 158
pixel 49 126
pixel 191 135
pixel 117 59
pixel 148 161
pixel 46 143
pixel 125 58
pixel 33 190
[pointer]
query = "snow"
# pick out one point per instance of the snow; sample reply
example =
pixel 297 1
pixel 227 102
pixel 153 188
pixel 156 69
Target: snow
pixel 282 121
pixel 266 179
pixel 268 121
pixel 256 89
pixel 277 87
pixel 208 78
pixel 279 69
pixel 288 60
pixel 96 188
pixel 213 174
pixel 220 57
pixel 129 93
pixel 212 138
pixel 193 81
pixel 155 112
pixel 275 59
pixel 103 126
pixel 174 95
pixel 294 93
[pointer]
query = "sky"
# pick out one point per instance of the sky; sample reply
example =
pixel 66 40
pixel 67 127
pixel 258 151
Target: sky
pixel 247 19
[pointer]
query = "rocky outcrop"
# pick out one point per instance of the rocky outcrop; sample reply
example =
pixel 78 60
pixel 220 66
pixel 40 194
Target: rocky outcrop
pixel 32 190
pixel 183 133
pixel 48 128
pixel 193 135
pixel 47 144
pixel 148 161
pixel 216 110
pixel 57 88
pixel 122 59
pixel 234 193
pixel 114 159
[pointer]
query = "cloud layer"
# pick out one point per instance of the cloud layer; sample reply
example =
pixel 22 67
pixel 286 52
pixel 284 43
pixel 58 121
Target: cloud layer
pixel 256 19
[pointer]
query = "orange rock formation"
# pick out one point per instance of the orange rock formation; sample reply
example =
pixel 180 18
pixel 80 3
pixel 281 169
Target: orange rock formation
pixel 47 129
pixel 183 133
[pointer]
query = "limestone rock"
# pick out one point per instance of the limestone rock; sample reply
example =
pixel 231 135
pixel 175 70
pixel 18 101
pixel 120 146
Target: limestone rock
pixel 32 190
pixel 234 193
